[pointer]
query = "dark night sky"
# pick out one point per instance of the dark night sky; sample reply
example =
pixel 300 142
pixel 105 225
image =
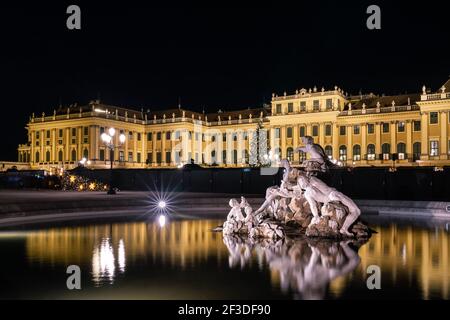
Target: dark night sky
pixel 131 54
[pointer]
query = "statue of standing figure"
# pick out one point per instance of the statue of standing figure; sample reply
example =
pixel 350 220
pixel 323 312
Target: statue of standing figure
pixel 318 161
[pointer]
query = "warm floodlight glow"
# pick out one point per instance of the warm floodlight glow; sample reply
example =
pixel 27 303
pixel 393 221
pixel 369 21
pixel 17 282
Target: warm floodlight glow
pixel 112 132
pixel 83 161
pixel 161 204
pixel 106 138
pixel 162 220
pixel 99 110
pixel 122 138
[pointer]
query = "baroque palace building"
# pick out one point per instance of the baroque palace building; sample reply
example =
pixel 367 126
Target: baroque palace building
pixel 364 130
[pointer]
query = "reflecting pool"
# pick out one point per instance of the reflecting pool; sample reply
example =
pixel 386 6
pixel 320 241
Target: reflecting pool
pixel 184 259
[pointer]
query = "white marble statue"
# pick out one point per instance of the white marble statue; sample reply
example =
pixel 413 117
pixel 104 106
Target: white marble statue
pixel 235 212
pixel 318 161
pixel 318 193
pixel 301 204
pixel 287 189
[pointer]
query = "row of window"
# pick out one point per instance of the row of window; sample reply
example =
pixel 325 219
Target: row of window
pixel 315 106
pixel 168 156
pixel 61 134
pixel 343 129
pixel 371 155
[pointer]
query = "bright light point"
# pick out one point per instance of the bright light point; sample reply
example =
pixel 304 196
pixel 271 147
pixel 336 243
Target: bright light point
pixel 162 220
pixel 106 138
pixel 122 138
pixel 112 132
pixel 161 204
pixel 179 166
pixel 99 110
pixel 88 162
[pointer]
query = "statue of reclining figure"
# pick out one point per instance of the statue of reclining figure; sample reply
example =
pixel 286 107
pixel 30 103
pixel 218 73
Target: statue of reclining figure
pixel 317 192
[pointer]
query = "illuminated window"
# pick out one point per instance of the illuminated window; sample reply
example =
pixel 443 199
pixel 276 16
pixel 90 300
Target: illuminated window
pixel 371 152
pixel 401 150
pixel 302 106
pixel 386 150
pixel 316 105
pixel 302 156
pixel 356 152
pixel 434 148
pixel 277 133
pixel 290 154
pixel 329 151
pixel 343 153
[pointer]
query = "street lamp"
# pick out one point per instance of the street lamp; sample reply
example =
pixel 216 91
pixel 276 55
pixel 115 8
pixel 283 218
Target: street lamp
pixel 108 139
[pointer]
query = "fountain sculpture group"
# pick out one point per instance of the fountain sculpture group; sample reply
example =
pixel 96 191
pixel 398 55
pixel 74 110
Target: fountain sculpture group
pixel 302 205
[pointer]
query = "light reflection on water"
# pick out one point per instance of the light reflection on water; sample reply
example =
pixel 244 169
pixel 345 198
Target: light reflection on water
pixel 415 262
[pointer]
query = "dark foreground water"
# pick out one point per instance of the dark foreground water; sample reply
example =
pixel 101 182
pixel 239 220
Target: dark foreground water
pixel 185 260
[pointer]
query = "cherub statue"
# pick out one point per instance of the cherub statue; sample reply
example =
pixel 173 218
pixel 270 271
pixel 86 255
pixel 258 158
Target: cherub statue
pixel 248 210
pixel 235 212
pixel 317 192
pixel 318 159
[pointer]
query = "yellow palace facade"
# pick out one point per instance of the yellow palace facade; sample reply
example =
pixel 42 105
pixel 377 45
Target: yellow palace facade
pixel 364 130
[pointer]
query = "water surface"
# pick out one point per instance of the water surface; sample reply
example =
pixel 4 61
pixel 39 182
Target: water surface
pixel 185 260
